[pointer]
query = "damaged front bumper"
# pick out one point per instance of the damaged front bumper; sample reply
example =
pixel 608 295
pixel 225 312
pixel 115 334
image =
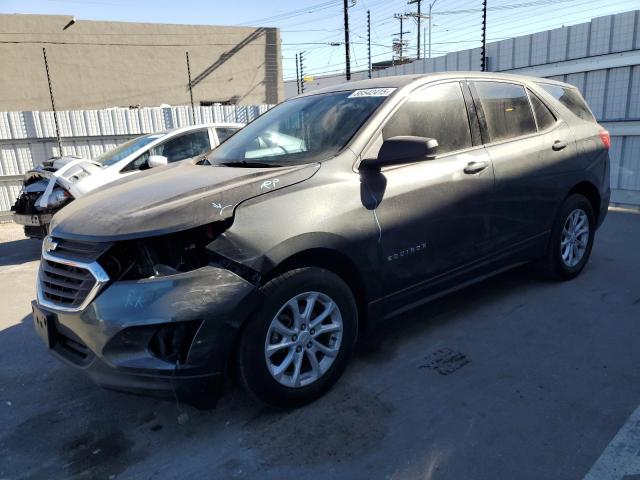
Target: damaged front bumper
pixel 167 336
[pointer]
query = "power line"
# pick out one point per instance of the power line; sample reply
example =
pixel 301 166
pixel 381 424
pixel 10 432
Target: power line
pixel 295 13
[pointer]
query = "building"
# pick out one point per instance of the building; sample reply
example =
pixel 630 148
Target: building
pixel 600 57
pixel 95 64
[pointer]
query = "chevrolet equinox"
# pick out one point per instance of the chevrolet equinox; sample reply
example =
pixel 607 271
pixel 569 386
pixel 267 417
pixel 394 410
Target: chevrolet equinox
pixel 354 203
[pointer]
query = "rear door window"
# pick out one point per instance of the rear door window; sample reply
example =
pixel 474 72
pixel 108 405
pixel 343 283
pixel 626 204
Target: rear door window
pixel 570 97
pixel 225 132
pixel 544 117
pixel 506 110
pixel 434 112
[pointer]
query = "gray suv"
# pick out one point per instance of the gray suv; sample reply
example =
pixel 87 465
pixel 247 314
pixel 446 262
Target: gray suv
pixel 267 256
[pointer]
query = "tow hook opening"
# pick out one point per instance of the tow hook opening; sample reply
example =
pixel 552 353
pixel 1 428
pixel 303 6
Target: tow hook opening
pixel 172 342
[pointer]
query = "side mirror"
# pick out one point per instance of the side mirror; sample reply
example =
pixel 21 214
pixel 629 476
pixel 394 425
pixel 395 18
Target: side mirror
pixel 157 161
pixel 399 150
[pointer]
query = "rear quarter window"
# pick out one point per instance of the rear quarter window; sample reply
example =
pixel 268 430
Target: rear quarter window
pixel 570 97
pixel 545 118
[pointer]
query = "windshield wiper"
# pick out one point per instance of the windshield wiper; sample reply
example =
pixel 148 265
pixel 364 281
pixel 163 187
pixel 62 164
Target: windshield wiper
pixel 246 164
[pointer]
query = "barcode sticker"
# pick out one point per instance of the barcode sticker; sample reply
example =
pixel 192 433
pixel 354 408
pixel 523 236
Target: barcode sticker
pixel 372 92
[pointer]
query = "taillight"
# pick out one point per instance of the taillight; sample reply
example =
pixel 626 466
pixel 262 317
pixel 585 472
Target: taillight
pixel 606 138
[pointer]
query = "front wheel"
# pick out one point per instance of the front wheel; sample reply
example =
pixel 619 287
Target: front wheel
pixel 299 343
pixel 571 238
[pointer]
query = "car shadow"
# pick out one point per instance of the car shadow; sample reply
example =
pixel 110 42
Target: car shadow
pixel 100 433
pixel 382 339
pixel 19 251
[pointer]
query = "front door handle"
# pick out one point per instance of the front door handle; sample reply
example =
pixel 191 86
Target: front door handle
pixel 475 167
pixel 559 145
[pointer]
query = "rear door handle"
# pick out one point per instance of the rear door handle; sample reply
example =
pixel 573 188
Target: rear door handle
pixel 475 167
pixel 559 145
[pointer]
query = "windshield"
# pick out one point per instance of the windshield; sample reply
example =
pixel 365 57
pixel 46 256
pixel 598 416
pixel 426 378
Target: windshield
pixel 301 130
pixel 127 148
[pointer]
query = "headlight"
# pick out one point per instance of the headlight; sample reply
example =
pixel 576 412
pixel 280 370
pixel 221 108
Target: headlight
pixel 163 255
pixel 57 198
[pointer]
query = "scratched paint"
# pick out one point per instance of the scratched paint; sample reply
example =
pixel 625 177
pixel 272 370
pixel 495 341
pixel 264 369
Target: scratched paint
pixel 220 207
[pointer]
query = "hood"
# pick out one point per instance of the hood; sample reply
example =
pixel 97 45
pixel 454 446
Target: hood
pixel 61 162
pixel 174 198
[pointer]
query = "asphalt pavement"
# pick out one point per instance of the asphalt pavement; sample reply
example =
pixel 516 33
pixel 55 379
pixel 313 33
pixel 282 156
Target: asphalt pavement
pixel 513 378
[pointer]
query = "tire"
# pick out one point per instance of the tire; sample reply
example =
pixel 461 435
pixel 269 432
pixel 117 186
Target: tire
pixel 300 287
pixel 559 263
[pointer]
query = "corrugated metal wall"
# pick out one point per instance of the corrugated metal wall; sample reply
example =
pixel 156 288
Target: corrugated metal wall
pixel 28 138
pixel 601 58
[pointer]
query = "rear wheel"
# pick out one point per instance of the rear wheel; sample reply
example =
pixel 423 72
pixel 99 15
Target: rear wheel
pixel 571 238
pixel 297 346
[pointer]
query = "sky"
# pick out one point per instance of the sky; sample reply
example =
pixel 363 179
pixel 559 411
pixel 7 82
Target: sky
pixel 315 27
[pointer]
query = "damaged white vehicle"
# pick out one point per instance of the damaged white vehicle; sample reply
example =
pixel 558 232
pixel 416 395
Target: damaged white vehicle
pixel 53 184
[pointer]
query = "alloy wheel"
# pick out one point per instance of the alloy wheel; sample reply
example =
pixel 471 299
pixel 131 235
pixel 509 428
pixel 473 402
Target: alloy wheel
pixel 575 237
pixel 303 339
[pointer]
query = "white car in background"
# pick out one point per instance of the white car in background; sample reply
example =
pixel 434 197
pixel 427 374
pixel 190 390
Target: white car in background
pixel 52 185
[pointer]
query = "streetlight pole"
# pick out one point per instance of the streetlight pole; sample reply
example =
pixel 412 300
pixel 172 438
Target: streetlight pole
pixel 369 40
pixel 430 9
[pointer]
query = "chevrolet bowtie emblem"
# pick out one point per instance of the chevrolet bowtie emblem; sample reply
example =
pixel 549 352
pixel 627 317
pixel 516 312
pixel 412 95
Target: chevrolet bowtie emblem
pixel 50 244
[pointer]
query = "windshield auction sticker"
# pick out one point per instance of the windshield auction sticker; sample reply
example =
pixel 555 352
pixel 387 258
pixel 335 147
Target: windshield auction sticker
pixel 372 92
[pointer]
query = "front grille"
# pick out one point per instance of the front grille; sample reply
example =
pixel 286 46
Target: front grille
pixel 86 251
pixel 65 285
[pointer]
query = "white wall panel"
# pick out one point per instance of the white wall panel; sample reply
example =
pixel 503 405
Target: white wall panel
pixel 615 154
pixel 522 50
pixel 617 94
pixel 600 38
pixel 623 31
pixel 594 91
pixel 576 79
pixel 634 94
pixel 558 44
pixel 539 48
pixel 476 58
pixel 578 41
pixel 492 57
pixel 505 54
pixel 630 164
pixel 452 61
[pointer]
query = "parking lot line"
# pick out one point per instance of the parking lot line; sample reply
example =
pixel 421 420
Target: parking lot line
pixel 620 458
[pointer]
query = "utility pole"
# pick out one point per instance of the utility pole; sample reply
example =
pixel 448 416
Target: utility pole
pixel 483 60
pixel 53 105
pixel 400 45
pixel 418 18
pixel 301 72
pixel 297 74
pixel 346 40
pixel 369 40
pixel 193 110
